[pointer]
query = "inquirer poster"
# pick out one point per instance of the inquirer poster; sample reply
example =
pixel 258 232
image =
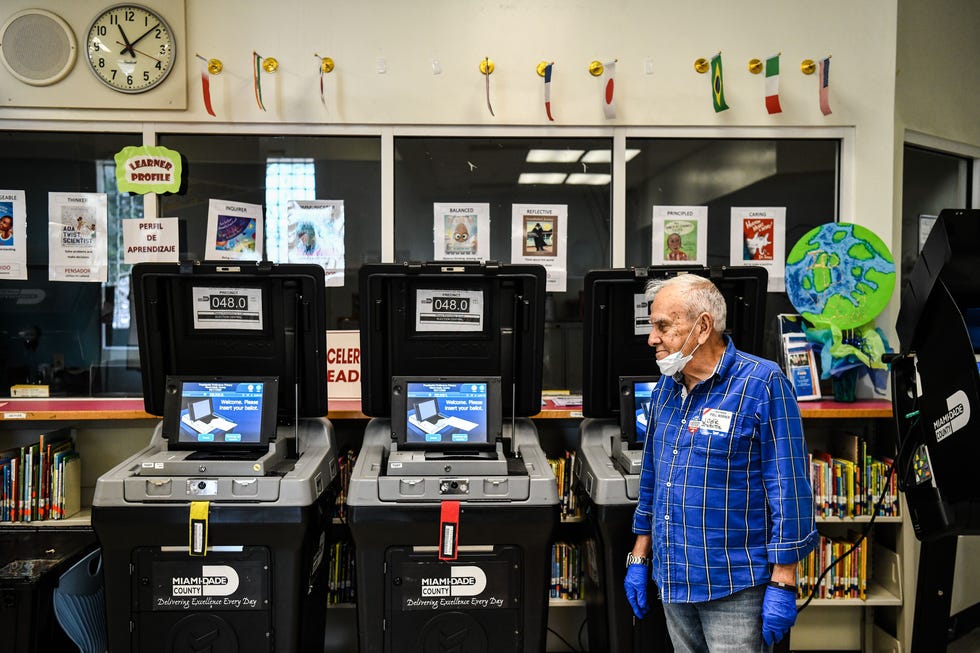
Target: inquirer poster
pixel 13 234
pixel 315 234
pixel 461 232
pixel 758 237
pixel 539 234
pixel 77 242
pixel 680 235
pixel 234 231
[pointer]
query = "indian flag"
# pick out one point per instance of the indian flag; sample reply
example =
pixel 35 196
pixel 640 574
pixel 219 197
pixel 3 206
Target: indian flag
pixel 772 85
pixel 717 84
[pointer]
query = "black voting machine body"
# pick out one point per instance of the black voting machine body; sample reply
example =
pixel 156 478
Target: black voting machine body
pixel 618 368
pixel 936 401
pixel 452 519
pixel 214 535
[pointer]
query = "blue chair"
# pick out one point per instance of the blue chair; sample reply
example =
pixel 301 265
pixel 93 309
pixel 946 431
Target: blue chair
pixel 79 604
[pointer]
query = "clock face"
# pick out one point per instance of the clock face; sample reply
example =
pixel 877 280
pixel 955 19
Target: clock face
pixel 130 48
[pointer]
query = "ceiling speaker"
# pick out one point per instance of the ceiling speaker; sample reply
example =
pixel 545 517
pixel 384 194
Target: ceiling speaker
pixel 37 47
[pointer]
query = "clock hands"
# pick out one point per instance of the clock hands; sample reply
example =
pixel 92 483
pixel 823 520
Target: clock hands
pixel 134 51
pixel 127 45
pixel 143 36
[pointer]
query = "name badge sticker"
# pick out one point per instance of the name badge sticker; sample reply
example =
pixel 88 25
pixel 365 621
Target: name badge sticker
pixel 715 421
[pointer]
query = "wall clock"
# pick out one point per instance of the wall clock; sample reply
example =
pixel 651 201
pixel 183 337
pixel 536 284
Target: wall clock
pixel 130 48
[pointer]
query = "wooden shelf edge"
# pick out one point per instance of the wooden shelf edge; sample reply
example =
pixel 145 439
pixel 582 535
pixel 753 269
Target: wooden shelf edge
pixel 566 603
pixel 81 518
pixel 877 596
pixel 881 519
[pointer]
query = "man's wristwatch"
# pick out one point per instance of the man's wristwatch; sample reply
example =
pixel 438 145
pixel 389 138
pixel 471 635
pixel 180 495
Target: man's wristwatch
pixel 636 560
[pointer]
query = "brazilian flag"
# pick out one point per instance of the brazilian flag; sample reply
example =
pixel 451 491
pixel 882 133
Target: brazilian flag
pixel 717 84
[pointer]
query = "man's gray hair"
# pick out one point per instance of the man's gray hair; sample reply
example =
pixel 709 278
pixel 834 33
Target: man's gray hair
pixel 700 295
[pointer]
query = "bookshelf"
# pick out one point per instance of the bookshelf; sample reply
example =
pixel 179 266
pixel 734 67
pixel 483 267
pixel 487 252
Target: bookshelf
pixel 880 621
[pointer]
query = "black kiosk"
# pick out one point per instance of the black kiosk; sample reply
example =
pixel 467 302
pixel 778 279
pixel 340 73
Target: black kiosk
pixel 936 400
pixel 213 536
pixel 452 502
pixel 619 371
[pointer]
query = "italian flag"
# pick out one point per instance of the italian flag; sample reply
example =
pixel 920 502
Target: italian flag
pixel 772 85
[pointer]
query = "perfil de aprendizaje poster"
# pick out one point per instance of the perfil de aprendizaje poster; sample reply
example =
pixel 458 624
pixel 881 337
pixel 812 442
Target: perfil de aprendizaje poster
pixel 13 234
pixel 315 234
pixel 156 240
pixel 77 237
pixel 680 235
pixel 234 231
pixel 539 234
pixel 461 232
pixel 758 237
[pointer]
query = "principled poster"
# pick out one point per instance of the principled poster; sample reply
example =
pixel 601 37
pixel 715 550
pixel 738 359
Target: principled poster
pixel 77 237
pixel 234 231
pixel 461 232
pixel 539 234
pixel 758 237
pixel 680 235
pixel 13 234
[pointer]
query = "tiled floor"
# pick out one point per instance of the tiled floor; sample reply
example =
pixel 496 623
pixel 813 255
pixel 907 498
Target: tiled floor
pixel 969 643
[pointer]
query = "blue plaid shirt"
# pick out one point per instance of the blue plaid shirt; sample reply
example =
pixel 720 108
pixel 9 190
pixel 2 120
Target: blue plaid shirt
pixel 725 483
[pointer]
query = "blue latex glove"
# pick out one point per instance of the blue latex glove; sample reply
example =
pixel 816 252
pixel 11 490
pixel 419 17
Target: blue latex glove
pixel 778 614
pixel 637 576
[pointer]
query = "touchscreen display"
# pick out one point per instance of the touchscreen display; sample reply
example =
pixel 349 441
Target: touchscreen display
pixel 446 413
pixel 635 406
pixel 224 412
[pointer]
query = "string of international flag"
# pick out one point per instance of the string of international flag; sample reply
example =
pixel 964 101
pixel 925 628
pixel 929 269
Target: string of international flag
pixel 607 89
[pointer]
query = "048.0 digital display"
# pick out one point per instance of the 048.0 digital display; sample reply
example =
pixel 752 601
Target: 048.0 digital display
pixel 229 303
pixel 450 304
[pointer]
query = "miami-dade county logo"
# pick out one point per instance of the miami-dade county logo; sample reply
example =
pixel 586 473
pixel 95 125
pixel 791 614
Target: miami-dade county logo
pixel 215 580
pixel 957 416
pixel 465 580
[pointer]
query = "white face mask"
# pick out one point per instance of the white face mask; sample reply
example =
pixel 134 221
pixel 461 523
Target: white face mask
pixel 673 363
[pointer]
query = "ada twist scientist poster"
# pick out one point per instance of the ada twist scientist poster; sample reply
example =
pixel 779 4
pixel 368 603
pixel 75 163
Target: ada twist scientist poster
pixel 539 234
pixel 77 243
pixel 758 237
pixel 680 235
pixel 234 231
pixel 461 232
pixel 13 234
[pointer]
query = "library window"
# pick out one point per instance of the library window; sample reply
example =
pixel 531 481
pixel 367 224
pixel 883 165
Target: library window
pixel 503 172
pixel 801 175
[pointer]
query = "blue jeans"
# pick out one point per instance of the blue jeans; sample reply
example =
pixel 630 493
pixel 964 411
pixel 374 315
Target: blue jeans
pixel 729 625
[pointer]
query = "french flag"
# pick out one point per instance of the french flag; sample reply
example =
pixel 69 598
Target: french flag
pixel 547 91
